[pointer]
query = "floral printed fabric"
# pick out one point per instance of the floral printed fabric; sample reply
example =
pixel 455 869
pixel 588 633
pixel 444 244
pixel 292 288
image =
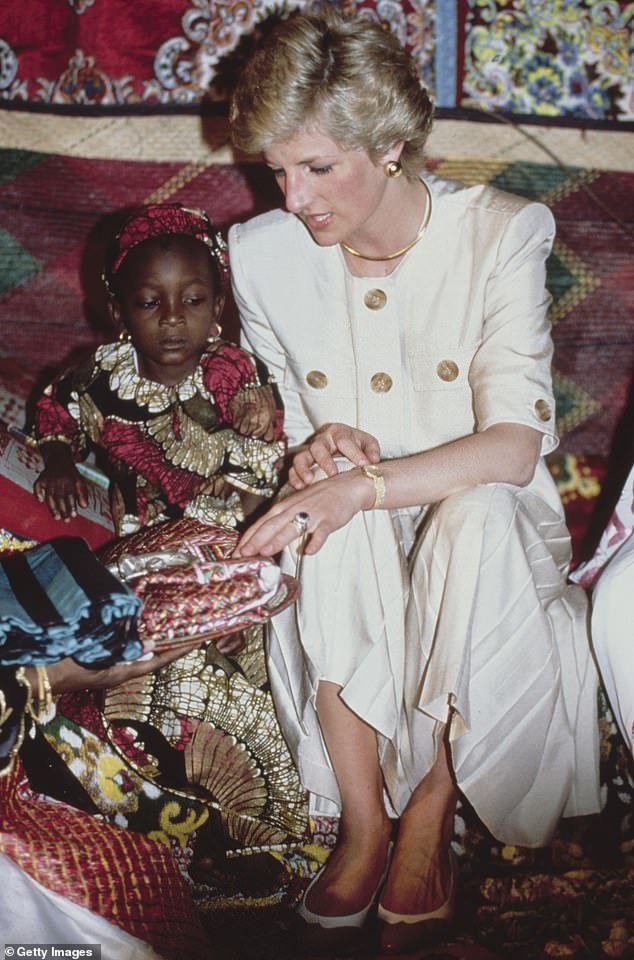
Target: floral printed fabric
pixel 571 58
pixel 170 448
pixel 173 52
pixel 550 58
pixel 14 695
pixel 192 757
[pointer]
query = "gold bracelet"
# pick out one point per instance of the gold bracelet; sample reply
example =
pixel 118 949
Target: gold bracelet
pixel 374 473
pixel 6 711
pixel 53 438
pixel 44 695
pixel 23 680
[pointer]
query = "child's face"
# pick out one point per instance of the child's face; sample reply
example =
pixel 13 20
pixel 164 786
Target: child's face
pixel 169 304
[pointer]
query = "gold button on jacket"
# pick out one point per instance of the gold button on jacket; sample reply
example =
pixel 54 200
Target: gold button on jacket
pixel 447 370
pixel 542 410
pixel 375 299
pixel 317 379
pixel 381 382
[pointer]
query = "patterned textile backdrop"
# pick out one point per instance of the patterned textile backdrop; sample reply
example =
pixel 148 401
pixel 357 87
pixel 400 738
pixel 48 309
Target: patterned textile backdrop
pixel 170 52
pixel 548 58
pixel 56 211
pixel 572 58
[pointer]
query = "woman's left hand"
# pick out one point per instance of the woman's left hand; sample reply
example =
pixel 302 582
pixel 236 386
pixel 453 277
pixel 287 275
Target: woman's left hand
pixel 329 503
pixel 330 441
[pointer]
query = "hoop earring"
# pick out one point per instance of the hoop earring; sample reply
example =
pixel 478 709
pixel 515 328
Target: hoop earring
pixel 216 336
pixel 393 169
pixel 124 336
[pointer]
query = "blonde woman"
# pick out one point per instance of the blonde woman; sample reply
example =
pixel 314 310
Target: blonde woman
pixel 437 650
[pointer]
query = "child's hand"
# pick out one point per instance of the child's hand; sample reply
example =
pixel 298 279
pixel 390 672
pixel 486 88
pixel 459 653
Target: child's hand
pixel 231 644
pixel 60 485
pixel 253 412
pixel 221 489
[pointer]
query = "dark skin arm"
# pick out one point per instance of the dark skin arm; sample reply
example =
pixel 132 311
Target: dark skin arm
pixel 67 676
pixel 60 485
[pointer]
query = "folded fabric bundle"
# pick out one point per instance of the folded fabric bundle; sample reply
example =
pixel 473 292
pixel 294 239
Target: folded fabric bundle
pixel 58 600
pixel 192 590
pixel 186 533
pixel 204 601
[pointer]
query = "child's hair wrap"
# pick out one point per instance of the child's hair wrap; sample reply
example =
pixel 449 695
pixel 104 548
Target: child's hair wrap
pixel 163 220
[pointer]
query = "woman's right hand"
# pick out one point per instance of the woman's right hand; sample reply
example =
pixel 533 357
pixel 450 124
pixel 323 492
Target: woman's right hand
pixel 329 504
pixel 331 440
pixel 60 485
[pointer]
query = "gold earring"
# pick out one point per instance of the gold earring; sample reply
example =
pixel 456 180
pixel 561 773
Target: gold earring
pixel 124 336
pixel 393 169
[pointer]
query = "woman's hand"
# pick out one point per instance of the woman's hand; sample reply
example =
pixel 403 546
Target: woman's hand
pixel 60 485
pixel 332 439
pixel 330 504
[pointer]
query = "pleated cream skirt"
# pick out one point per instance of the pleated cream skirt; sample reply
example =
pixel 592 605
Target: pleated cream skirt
pixel 464 611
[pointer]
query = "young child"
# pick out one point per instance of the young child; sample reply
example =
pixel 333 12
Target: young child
pixel 189 423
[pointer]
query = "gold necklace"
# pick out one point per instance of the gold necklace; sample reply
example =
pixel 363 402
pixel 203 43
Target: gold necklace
pixel 399 253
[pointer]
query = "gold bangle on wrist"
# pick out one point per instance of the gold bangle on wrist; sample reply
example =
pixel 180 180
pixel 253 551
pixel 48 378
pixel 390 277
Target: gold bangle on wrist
pixel 54 438
pixel 374 473
pixel 23 680
pixel 44 695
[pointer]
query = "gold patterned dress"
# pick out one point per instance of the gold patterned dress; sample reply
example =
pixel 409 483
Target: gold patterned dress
pixel 192 755
pixel 171 450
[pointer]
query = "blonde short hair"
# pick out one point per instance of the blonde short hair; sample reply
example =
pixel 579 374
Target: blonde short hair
pixel 345 75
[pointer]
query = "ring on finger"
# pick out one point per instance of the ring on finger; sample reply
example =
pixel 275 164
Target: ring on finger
pixel 300 521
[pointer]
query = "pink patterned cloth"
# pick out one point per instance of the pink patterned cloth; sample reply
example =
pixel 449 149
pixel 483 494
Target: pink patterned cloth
pixel 169 448
pixel 609 575
pixel 167 219
pixel 192 589
pixel 618 530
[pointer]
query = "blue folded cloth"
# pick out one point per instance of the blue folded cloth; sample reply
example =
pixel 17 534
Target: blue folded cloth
pixel 58 600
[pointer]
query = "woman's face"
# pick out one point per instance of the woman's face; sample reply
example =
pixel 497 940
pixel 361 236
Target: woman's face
pixel 169 304
pixel 340 194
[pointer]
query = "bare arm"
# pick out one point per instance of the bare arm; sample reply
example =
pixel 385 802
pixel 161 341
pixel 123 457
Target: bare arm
pixel 505 453
pixel 67 676
pixel 60 485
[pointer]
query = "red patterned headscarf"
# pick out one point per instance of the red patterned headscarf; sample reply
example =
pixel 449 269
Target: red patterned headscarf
pixel 162 220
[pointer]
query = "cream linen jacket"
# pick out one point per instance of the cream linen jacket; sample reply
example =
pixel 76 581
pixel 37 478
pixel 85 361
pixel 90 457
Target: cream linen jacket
pixel 456 339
